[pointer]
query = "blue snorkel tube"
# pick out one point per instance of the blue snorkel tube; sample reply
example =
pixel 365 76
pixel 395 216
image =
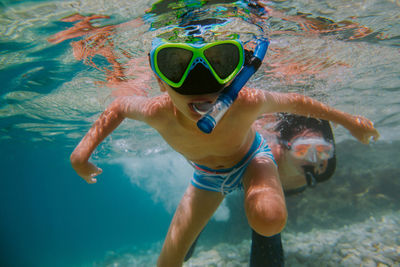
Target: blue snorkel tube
pixel 208 122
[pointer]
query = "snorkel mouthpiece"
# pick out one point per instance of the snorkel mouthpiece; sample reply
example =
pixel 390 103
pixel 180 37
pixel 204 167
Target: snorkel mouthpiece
pixel 208 122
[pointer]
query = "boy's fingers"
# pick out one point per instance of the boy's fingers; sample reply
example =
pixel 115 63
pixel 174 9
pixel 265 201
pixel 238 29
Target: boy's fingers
pixel 90 180
pixel 96 172
pixel 371 138
pixel 376 136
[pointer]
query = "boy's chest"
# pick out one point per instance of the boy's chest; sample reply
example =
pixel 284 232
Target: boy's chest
pixel 194 144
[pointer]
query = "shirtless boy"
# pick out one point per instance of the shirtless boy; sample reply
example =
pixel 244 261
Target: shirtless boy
pixel 233 156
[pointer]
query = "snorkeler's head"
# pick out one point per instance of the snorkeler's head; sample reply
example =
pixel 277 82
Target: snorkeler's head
pixel 322 146
pixel 197 68
pixel 195 50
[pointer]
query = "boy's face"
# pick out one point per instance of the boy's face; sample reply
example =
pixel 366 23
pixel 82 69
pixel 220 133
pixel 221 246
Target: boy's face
pixel 194 75
pixel 191 106
pixel 198 68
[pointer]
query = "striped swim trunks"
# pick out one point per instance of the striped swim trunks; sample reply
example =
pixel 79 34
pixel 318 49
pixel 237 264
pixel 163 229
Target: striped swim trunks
pixel 228 180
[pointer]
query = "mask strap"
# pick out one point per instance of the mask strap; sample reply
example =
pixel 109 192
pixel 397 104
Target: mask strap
pixel 286 144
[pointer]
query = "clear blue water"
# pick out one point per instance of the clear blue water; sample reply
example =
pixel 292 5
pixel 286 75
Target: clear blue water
pixel 48 100
pixel 50 218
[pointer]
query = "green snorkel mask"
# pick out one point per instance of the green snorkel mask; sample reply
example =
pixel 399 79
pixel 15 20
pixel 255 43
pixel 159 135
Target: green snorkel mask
pixel 196 69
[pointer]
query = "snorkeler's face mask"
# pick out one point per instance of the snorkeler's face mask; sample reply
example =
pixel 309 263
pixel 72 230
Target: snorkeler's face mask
pixel 195 69
pixel 311 149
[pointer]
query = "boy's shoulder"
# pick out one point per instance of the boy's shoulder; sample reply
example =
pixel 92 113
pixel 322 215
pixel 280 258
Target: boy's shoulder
pixel 158 106
pixel 162 101
pixel 250 96
pixel 148 109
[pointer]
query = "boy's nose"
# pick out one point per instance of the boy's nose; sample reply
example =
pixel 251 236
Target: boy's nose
pixel 312 154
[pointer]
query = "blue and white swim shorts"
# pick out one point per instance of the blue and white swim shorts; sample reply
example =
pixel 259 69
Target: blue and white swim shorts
pixel 228 180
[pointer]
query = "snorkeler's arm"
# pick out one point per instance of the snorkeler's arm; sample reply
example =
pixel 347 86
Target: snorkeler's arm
pixel 360 127
pixel 115 113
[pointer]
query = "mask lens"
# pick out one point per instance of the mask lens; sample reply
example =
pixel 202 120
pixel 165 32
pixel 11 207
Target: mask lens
pixel 312 149
pixel 324 151
pixel 301 150
pixel 224 59
pixel 173 62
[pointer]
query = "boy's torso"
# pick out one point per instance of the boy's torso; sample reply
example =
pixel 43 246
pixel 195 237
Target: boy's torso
pixel 223 148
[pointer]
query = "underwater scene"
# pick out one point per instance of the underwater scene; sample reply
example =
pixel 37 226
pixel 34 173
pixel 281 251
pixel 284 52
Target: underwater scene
pixel 63 62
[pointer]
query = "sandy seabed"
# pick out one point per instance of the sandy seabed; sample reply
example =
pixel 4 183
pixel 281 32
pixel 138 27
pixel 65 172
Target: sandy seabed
pixel 372 243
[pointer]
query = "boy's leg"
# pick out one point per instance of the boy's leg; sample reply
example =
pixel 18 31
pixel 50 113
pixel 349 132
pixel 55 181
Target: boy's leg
pixel 193 212
pixel 266 251
pixel 264 199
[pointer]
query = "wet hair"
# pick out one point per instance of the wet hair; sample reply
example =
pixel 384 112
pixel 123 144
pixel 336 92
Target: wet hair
pixel 289 126
pixel 207 21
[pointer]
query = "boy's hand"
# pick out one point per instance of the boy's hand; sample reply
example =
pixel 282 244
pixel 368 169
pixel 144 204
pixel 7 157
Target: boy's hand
pixel 87 171
pixel 363 129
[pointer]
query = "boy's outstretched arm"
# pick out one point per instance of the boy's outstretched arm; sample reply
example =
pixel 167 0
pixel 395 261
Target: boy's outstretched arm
pixel 115 113
pixel 360 127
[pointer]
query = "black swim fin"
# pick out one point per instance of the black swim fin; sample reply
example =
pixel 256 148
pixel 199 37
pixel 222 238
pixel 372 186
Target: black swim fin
pixel 191 250
pixel 266 251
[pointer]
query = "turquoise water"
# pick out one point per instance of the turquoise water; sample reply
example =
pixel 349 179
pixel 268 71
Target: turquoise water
pixel 345 53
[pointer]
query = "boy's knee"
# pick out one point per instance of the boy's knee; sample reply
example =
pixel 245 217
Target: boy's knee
pixel 268 225
pixel 266 218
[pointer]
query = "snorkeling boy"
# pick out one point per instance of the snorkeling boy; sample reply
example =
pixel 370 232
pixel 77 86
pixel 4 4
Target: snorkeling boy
pixel 233 156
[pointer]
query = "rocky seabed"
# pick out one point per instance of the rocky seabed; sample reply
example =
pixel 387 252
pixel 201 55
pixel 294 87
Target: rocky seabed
pixel 372 243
